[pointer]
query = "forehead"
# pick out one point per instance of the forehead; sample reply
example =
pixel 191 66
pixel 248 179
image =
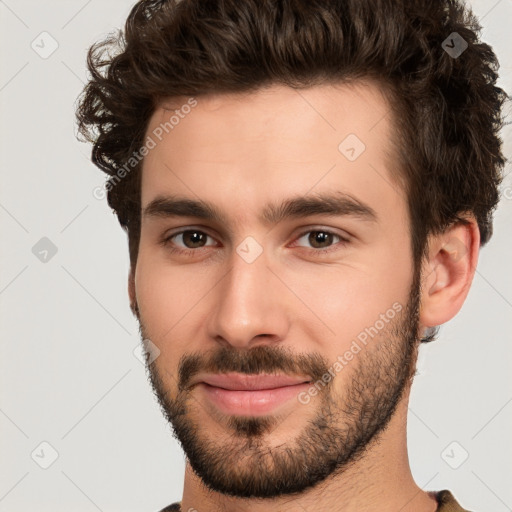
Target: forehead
pixel 355 107
pixel 255 148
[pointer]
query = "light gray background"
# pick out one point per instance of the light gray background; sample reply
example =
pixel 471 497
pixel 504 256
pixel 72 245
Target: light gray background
pixel 69 376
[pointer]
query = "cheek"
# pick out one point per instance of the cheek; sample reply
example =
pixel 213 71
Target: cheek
pixel 346 299
pixel 162 293
pixel 165 300
pixel 172 300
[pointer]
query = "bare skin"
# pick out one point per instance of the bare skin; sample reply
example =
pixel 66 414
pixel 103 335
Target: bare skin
pixel 240 152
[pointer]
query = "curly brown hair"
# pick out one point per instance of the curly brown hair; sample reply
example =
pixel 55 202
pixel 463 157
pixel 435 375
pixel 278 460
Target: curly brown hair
pixel 447 108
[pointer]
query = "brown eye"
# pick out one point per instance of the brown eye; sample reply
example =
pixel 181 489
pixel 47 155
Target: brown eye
pixel 320 239
pixel 194 239
pixel 186 240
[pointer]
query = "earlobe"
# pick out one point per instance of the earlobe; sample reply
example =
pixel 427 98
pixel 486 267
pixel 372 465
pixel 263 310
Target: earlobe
pixel 449 272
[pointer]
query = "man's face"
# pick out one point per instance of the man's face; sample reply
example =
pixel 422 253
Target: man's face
pixel 325 297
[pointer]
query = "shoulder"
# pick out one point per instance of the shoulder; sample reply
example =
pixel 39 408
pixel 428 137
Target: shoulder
pixel 175 507
pixel 445 499
pixel 447 502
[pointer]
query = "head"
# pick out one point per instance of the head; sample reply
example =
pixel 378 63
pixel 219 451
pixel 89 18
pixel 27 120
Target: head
pixel 247 121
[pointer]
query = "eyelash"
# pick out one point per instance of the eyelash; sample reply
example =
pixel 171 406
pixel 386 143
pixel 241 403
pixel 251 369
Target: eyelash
pixel 166 242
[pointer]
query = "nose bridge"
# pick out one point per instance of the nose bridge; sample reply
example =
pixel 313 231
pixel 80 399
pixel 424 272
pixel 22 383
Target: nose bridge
pixel 247 303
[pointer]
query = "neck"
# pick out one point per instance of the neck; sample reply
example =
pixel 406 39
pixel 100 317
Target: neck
pixel 380 481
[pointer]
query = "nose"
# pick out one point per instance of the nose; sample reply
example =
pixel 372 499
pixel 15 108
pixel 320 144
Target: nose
pixel 250 305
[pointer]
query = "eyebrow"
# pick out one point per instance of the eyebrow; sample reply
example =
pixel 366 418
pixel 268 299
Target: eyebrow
pixel 335 204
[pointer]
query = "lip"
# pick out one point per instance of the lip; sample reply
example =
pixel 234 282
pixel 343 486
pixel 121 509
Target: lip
pixel 251 395
pixel 246 382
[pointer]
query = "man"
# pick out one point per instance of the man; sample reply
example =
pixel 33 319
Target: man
pixel 305 186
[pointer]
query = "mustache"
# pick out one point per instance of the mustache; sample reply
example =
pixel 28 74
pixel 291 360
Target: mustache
pixel 257 360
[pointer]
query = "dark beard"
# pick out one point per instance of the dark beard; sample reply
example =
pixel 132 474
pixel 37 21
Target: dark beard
pixel 334 440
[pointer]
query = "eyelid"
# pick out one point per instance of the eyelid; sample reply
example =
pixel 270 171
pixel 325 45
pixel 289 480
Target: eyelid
pixel 345 238
pixel 166 238
pixel 324 229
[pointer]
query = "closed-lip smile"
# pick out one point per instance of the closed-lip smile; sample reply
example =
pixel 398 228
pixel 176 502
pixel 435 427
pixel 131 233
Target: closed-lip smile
pixel 248 382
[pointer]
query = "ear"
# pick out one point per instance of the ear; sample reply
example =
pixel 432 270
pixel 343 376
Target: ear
pixel 448 272
pixel 131 293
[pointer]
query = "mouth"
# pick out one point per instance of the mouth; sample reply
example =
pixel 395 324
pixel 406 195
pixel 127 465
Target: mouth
pixel 251 395
pixel 247 382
